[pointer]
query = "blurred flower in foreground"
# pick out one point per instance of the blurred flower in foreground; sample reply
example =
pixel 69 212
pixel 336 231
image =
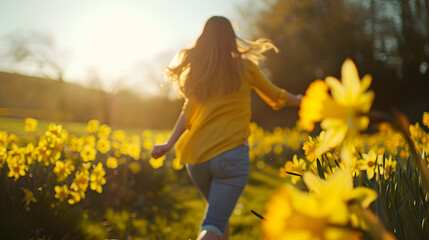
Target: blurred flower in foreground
pixel 341 114
pixel 30 124
pixel 326 212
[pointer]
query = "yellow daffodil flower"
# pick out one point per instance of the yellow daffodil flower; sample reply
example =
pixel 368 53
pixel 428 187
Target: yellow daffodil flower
pixel 76 144
pixel 88 153
pixel 371 162
pixel 310 146
pixel 75 197
pixel 112 162
pixel 97 178
pixel 103 145
pixel 134 167
pixel 134 151
pixel 297 166
pixel 104 131
pixel 177 165
pixel 322 213
pixel 30 124
pixel 148 144
pixel 28 198
pixel 16 169
pixel 61 192
pixel 157 163
pixel 118 135
pixel 62 170
pixel 92 126
pixel 341 114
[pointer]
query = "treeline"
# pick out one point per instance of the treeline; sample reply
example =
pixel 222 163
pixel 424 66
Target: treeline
pixel 25 96
pixel 387 39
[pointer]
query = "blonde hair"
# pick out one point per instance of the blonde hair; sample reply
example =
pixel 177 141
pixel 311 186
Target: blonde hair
pixel 214 63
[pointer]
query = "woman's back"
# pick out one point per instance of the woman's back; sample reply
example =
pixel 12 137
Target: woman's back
pixel 222 122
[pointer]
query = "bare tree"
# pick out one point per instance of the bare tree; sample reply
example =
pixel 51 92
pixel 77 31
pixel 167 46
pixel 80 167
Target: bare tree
pixel 35 50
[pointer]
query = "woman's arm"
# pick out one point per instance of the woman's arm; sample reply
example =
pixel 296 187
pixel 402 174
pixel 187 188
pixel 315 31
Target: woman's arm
pixel 179 128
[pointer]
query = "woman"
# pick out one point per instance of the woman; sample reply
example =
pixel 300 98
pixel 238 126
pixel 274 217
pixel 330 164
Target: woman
pixel 216 76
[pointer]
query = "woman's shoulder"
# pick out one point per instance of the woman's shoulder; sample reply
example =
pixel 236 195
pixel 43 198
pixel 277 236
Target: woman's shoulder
pixel 251 69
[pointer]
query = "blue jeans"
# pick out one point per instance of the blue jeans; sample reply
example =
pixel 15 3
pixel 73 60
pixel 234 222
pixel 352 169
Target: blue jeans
pixel 221 181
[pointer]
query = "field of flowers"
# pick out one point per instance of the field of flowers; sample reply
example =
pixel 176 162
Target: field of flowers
pixel 342 183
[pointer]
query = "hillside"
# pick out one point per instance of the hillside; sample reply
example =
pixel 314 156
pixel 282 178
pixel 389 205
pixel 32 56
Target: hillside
pixel 27 96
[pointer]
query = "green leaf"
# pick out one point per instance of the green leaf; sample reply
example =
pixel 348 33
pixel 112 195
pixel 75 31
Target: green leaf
pixel 320 170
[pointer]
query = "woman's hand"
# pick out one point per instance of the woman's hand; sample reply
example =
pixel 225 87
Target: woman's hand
pixel 160 150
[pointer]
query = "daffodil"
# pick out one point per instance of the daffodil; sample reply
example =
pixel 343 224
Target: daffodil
pixel 75 197
pixel 118 135
pixel 28 198
pixel 297 166
pixel 134 151
pixel 135 139
pixel 177 165
pixel 62 170
pixel 310 146
pixel 343 113
pixel 112 162
pixel 134 167
pixel 80 182
pixel 103 145
pixel 148 144
pixel 89 140
pixel 16 168
pixel 30 124
pixel 3 139
pixel 104 131
pixel 322 213
pixel 125 148
pixel 97 178
pixel 92 126
pixel 371 162
pixel 76 144
pixel 160 138
pixel 146 134
pixel 425 119
pixel 61 192
pixel 30 153
pixel 88 153
pixel 157 163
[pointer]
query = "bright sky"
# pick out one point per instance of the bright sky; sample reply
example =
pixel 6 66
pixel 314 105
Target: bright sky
pixel 116 39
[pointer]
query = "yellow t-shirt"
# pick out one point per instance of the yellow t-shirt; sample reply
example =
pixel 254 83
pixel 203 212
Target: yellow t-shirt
pixel 221 124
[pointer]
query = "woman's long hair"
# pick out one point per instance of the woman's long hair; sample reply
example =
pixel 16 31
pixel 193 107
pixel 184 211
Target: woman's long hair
pixel 214 63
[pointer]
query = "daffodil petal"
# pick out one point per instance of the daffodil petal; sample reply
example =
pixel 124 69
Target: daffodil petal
pixel 337 90
pixel 364 195
pixel 350 78
pixel 335 134
pixel 313 182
